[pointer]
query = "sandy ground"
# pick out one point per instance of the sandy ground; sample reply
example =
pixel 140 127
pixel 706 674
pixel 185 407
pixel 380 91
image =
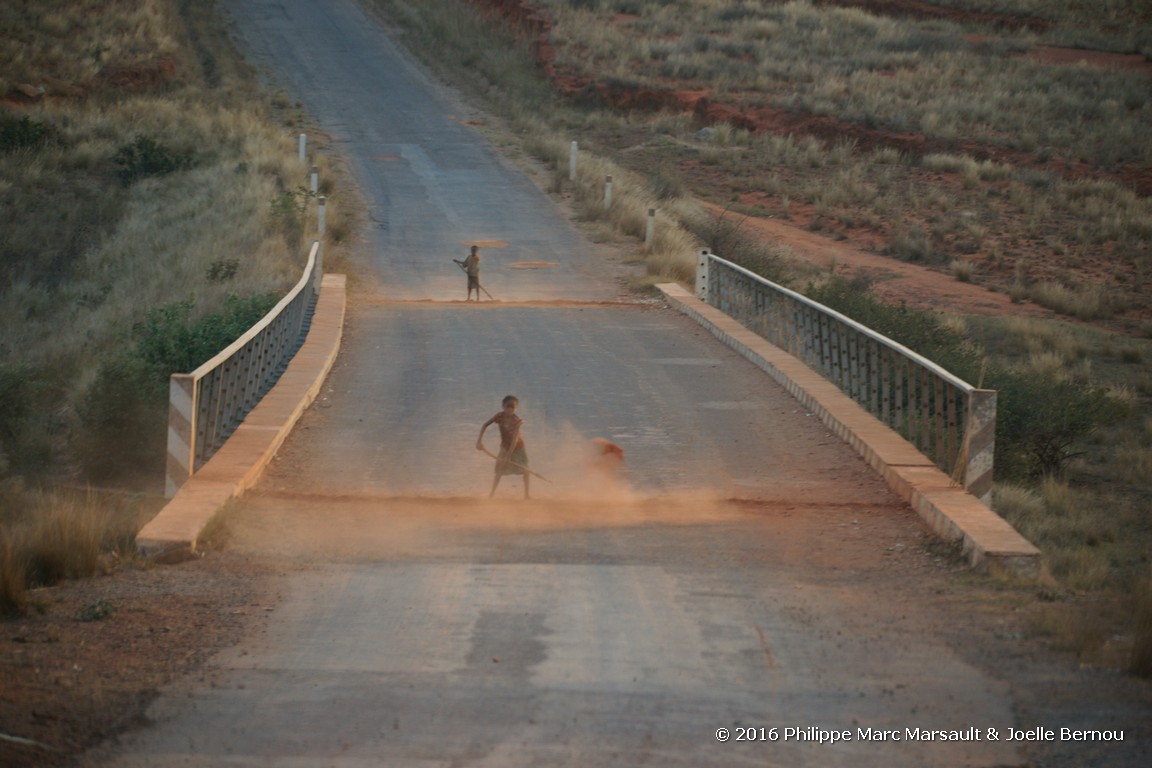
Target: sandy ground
pixel 85 663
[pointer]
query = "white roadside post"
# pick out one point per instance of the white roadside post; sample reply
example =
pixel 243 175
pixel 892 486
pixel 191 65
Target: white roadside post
pixel 572 162
pixel 321 223
pixel 315 180
pixel 303 148
pixel 607 193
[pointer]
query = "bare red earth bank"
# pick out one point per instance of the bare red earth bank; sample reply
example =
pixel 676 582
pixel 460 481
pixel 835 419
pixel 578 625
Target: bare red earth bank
pixel 533 23
pixel 138 79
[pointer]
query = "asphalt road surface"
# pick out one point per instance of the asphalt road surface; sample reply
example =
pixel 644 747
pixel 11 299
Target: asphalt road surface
pixel 744 571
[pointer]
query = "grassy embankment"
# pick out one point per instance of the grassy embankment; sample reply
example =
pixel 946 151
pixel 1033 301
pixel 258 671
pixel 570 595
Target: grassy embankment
pixel 1019 185
pixel 154 206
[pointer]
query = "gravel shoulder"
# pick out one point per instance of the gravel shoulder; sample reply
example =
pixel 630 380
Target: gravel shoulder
pixel 93 653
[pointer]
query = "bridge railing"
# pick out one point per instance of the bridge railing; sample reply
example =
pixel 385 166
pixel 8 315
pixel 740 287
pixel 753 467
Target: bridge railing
pixel 950 421
pixel 206 405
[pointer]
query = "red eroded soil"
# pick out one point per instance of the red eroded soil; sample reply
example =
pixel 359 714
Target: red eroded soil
pixel 534 24
pixel 1129 62
pixel 894 281
pixel 916 10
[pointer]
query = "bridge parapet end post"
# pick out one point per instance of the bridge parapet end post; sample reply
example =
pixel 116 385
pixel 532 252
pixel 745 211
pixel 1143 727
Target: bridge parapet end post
pixel 702 275
pixel 980 443
pixel 182 408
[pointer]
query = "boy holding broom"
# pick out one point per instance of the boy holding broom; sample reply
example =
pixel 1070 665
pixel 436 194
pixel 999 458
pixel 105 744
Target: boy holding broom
pixel 513 456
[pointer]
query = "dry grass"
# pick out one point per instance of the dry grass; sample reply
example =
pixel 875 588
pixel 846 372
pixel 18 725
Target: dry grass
pixel 1060 520
pixel 89 250
pixel 166 233
pixel 903 77
pixel 962 270
pixel 84 256
pixel 1140 661
pixel 13 576
pixel 1091 303
pixel 1134 462
pixel 847 63
pixel 1070 626
pixel 49 536
pixel 1082 537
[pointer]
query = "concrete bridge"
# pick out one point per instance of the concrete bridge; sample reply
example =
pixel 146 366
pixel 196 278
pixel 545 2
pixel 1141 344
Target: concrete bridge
pixel 748 589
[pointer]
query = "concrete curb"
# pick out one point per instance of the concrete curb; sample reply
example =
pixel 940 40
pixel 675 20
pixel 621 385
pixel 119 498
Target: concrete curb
pixel 172 535
pixel 989 542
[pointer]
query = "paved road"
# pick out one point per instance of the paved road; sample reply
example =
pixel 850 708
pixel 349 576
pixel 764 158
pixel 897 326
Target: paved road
pixel 431 184
pixel 746 570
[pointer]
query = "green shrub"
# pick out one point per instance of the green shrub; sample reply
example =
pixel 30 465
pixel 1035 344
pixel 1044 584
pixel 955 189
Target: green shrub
pixel 171 341
pixel 146 157
pixel 921 331
pixel 288 209
pixel 1042 420
pixel 23 134
pixel 727 238
pixel 16 384
pixel 25 418
pixel 125 408
pixel 913 244
pixel 223 270
pixel 97 611
pixel 123 412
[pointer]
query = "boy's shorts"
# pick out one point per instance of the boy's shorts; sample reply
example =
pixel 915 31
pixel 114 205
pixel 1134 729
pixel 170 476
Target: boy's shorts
pixel 516 464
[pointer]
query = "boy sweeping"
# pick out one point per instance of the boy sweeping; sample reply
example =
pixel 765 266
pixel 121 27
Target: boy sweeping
pixel 471 267
pixel 513 456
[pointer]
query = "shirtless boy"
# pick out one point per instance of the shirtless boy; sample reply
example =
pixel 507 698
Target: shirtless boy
pixel 513 456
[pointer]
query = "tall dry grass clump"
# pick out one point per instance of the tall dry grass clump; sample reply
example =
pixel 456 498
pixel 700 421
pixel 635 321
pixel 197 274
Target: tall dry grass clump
pixel 64 537
pixel 49 536
pixel 1140 661
pixel 13 576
